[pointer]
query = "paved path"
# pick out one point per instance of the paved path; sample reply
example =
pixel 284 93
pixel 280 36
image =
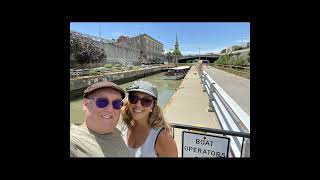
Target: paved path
pixel 189 106
pixel 238 88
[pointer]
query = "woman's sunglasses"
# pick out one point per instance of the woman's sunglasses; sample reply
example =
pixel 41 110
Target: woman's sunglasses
pixel 145 102
pixel 104 102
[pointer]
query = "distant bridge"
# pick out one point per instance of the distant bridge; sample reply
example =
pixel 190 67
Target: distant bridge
pixel 210 57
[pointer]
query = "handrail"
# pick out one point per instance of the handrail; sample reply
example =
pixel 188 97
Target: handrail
pixel 231 116
pixel 79 72
pixel 227 101
pixel 210 130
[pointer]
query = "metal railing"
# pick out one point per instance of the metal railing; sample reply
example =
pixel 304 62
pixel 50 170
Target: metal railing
pixel 245 145
pixel 79 72
pixel 231 116
pixel 243 69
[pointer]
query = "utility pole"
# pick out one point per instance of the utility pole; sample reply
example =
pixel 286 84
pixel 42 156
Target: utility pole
pixel 244 38
pixel 100 31
pixel 241 39
pixel 101 41
pixel 141 51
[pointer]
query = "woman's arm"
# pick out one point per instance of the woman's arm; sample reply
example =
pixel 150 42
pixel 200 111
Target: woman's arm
pixel 165 145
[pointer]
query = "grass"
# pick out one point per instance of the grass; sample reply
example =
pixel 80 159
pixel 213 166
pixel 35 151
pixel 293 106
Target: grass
pixel 241 73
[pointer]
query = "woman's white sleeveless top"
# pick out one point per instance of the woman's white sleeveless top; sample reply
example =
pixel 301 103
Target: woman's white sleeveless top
pixel 147 149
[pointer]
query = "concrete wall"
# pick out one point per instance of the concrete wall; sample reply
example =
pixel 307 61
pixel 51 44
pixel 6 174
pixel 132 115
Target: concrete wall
pixel 152 49
pixel 117 53
pixel 126 52
pixel 77 86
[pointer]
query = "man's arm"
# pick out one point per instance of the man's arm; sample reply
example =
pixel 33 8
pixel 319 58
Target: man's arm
pixel 72 148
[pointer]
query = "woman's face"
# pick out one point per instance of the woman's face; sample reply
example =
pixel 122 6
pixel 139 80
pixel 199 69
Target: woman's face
pixel 140 105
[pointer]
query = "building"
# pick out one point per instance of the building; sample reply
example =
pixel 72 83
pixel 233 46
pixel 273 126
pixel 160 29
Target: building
pixel 151 50
pixel 122 39
pixel 126 51
pixel 176 51
pixel 114 54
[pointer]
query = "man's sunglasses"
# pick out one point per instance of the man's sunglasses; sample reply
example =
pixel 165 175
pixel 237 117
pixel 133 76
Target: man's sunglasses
pixel 104 102
pixel 146 102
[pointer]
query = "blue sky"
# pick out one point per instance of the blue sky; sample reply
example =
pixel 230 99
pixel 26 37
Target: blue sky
pixel 209 37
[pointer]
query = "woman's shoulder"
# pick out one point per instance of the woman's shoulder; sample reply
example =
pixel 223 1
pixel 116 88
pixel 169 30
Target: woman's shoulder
pixel 165 138
pixel 164 134
pixel 166 145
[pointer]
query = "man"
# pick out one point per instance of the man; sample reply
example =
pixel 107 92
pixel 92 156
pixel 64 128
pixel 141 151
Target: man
pixel 98 135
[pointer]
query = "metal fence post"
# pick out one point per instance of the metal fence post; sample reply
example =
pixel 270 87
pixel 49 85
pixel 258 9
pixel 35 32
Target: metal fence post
pixel 204 83
pixel 246 148
pixel 201 76
pixel 211 98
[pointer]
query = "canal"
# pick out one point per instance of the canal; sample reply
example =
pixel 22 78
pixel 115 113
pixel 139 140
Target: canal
pixel 166 89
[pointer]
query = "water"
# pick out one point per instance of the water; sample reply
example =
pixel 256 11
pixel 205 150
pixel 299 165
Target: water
pixel 166 89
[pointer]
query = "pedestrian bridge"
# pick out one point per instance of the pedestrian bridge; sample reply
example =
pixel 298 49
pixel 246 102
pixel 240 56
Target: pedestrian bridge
pixel 210 57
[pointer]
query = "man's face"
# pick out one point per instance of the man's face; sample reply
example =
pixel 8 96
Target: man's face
pixel 102 120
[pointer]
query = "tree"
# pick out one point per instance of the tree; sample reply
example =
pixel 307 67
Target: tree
pixel 177 52
pixel 84 50
pixel 169 56
pixel 236 47
pixel 224 59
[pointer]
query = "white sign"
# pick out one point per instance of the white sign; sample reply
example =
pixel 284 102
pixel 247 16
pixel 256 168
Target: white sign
pixel 200 145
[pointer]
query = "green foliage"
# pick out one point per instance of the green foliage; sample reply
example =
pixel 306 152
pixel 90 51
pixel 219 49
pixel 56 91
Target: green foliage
pixel 177 52
pixel 241 60
pixel 108 65
pixel 168 56
pixel 134 67
pixel 94 71
pixel 236 47
pixel 117 65
pixel 224 59
pixel 117 68
pixel 84 50
pixel 223 51
pixel 168 53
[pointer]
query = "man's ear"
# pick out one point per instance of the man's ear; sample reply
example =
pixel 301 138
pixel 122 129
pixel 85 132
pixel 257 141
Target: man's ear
pixel 84 104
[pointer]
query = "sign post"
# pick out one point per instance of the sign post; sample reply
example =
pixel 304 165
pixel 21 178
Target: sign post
pixel 203 145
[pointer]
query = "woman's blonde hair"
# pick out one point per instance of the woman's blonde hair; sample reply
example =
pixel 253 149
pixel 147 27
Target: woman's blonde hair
pixel 156 118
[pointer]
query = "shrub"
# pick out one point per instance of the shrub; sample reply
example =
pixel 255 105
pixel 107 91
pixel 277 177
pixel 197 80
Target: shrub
pixel 108 65
pixel 117 65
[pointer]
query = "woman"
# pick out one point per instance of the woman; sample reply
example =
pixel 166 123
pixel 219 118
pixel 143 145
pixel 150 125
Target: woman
pixel 145 131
